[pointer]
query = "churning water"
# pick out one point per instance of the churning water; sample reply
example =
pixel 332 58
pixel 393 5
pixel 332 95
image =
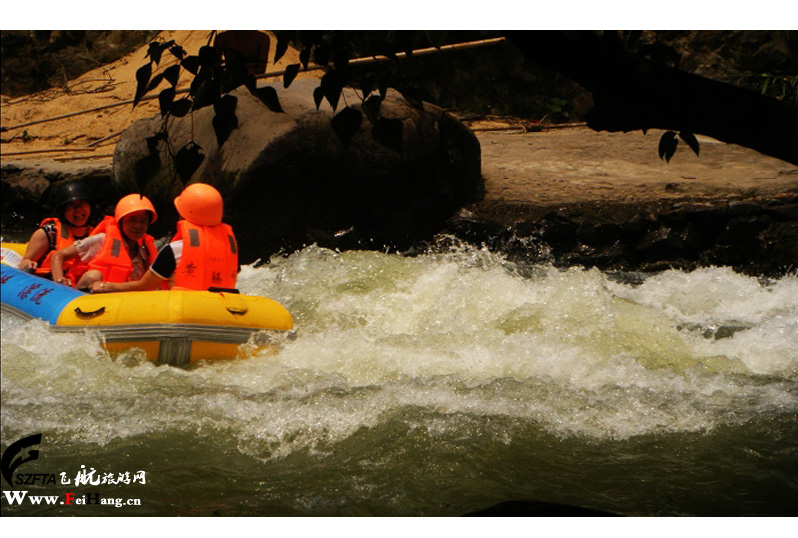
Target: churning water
pixel 437 385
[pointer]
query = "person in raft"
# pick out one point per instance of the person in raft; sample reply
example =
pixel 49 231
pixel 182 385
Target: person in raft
pixel 72 204
pixel 203 255
pixel 119 249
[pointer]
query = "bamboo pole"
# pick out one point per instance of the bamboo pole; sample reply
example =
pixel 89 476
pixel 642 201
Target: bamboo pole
pixel 356 61
pixel 35 151
pixel 100 141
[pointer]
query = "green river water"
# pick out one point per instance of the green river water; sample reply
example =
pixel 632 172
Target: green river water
pixel 433 385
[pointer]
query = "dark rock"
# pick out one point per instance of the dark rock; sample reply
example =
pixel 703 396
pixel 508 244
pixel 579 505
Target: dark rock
pixel 598 233
pixel 739 208
pixel 559 231
pixel 537 509
pixel 743 229
pixel 288 180
pixel 783 212
pixel 669 243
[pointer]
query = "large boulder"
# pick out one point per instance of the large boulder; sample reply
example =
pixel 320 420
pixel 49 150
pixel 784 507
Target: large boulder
pixel 288 180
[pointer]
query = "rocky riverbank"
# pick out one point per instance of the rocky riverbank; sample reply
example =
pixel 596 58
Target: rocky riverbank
pixel 570 197
pixel 577 197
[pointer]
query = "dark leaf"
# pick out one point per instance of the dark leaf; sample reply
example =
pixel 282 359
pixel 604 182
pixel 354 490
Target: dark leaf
pixel 188 160
pixel 142 78
pixel 690 140
pixel 165 100
pixel 145 169
pixel 290 74
pixel 304 57
pixel 268 96
pixel 388 132
pixel 341 60
pixel 191 64
pixel 331 86
pixel 154 52
pixel 209 57
pixel 177 51
pixel 318 96
pixel 280 48
pixel 208 93
pixel 223 126
pixel 667 145
pixel 226 105
pixel 154 82
pixel 234 73
pixel 181 107
pixel 346 124
pixel 321 55
pixel 371 107
pixel 172 74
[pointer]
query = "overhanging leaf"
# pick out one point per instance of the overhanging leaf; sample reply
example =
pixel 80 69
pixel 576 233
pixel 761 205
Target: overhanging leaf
pixel 290 74
pixel 223 126
pixel 371 107
pixel 321 55
pixel 280 48
pixel 177 51
pixel 318 96
pixel 667 145
pixel 331 87
pixel 208 93
pixel 191 64
pixel 304 57
pixel 165 99
pixel 181 107
pixel 346 124
pixel 690 140
pixel 142 79
pixel 154 82
pixel 172 74
pixel 267 96
pixel 187 160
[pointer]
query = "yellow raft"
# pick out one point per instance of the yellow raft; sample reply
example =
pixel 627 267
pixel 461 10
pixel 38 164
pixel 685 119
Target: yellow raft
pixel 175 327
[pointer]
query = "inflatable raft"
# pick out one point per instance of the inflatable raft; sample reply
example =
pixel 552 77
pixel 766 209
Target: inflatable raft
pixel 174 327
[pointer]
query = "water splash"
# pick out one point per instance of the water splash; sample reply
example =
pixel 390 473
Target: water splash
pixel 455 340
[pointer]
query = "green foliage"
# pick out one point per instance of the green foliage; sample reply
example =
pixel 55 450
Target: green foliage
pixel 780 86
pixel 216 75
pixel 557 108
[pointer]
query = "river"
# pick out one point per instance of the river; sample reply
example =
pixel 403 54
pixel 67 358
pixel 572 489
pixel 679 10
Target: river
pixel 434 385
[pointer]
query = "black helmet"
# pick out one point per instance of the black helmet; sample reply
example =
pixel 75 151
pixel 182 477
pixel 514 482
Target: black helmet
pixel 68 192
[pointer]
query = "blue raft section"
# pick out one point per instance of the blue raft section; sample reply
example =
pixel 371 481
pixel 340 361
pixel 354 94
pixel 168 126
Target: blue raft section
pixel 34 296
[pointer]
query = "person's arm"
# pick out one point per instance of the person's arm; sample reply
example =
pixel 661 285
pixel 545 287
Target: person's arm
pixel 37 247
pixel 150 281
pixel 57 263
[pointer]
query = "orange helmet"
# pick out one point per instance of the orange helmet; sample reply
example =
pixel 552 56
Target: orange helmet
pixel 200 204
pixel 134 202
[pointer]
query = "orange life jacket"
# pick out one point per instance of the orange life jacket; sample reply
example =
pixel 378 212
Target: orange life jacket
pixel 209 258
pixel 73 268
pixel 113 260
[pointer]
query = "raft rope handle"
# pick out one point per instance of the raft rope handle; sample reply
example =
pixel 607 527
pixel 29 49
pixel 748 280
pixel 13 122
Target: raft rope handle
pixel 89 315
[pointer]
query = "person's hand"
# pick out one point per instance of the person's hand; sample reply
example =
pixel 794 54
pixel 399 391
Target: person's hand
pixel 66 281
pixel 28 265
pixel 98 287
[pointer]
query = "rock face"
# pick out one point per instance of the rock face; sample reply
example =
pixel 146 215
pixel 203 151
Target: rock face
pixel 288 180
